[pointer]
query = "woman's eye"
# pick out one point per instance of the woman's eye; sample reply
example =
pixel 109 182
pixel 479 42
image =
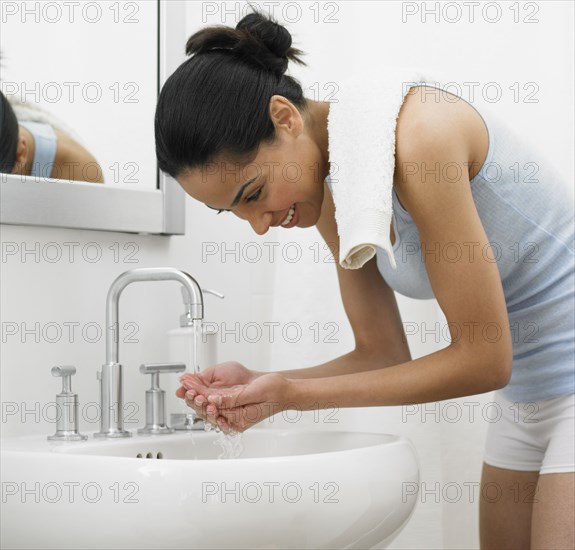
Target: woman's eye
pixel 255 196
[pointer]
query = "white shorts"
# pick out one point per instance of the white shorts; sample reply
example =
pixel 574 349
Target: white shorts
pixel 534 436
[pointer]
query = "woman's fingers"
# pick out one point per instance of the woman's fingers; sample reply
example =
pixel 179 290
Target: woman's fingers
pixel 209 403
pixel 200 403
pixel 193 383
pixel 222 422
pixel 197 396
pixel 227 398
pixel 195 402
pixel 189 399
pixel 201 406
pixel 211 413
pixel 224 426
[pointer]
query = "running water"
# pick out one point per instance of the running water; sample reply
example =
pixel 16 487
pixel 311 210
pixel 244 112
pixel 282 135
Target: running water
pixel 192 354
pixel 230 443
pixel 197 325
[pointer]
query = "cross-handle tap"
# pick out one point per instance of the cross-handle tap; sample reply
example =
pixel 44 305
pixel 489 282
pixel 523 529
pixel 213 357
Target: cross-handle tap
pixel 67 403
pixel 155 398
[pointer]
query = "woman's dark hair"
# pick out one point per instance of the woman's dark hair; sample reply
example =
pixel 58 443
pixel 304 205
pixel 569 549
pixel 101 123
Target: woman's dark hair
pixel 8 136
pixel 217 102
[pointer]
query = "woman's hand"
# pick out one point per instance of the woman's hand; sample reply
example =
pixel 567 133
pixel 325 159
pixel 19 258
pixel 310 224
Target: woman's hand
pixel 223 375
pixel 240 406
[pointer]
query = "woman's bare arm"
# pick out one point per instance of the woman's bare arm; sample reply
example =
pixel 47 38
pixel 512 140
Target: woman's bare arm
pixel 436 134
pixel 371 309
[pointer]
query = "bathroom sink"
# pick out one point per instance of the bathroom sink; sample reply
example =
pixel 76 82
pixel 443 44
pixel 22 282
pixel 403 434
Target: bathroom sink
pixel 285 489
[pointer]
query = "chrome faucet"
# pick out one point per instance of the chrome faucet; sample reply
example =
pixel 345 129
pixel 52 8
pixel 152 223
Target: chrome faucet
pixel 111 375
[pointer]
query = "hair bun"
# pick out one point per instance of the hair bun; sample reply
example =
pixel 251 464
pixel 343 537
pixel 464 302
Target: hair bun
pixel 276 38
pixel 257 40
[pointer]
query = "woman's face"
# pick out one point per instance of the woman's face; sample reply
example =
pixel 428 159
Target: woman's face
pixel 289 173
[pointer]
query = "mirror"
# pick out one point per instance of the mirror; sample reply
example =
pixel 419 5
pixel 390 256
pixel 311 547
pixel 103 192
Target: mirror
pixel 82 80
pixel 89 73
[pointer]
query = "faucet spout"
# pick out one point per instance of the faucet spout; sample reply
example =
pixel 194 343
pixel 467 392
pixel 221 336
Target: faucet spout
pixel 111 375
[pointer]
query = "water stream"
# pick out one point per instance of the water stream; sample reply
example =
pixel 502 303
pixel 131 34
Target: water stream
pixel 197 325
pixel 231 444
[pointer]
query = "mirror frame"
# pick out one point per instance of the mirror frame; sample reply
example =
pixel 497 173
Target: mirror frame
pixel 83 205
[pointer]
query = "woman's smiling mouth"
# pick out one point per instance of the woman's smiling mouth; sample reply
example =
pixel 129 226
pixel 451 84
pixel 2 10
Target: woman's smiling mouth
pixel 292 217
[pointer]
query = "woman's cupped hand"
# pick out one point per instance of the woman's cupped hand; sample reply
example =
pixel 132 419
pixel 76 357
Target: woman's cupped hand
pixel 233 397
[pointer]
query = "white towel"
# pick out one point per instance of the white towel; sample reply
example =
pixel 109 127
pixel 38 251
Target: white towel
pixel 361 137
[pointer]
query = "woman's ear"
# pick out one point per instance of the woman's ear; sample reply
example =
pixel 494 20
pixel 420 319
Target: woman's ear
pixel 21 154
pixel 284 113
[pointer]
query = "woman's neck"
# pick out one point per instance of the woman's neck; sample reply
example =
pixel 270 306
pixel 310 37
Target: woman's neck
pixel 319 111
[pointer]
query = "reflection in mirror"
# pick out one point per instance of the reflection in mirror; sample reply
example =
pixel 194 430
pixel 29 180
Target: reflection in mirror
pixel 35 143
pixel 79 84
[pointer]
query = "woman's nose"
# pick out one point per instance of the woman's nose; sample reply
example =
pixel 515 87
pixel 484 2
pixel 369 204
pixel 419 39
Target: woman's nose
pixel 261 222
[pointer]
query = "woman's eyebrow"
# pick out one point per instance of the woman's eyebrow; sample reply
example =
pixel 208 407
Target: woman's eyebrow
pixel 239 194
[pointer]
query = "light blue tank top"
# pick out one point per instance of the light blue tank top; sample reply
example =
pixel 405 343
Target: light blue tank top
pixel 528 217
pixel 45 144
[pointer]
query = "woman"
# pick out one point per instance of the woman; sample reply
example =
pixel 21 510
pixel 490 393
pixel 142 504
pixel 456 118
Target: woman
pixel 34 143
pixel 230 109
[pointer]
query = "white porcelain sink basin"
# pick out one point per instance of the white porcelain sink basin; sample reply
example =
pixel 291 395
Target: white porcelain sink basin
pixel 287 489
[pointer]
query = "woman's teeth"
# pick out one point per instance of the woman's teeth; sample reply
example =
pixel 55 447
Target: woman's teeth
pixel 290 215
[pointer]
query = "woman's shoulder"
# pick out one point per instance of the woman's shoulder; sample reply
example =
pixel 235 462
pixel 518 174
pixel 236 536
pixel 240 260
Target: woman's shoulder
pixel 433 118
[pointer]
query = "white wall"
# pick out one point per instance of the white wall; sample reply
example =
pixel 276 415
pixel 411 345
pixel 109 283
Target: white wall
pixel 366 35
